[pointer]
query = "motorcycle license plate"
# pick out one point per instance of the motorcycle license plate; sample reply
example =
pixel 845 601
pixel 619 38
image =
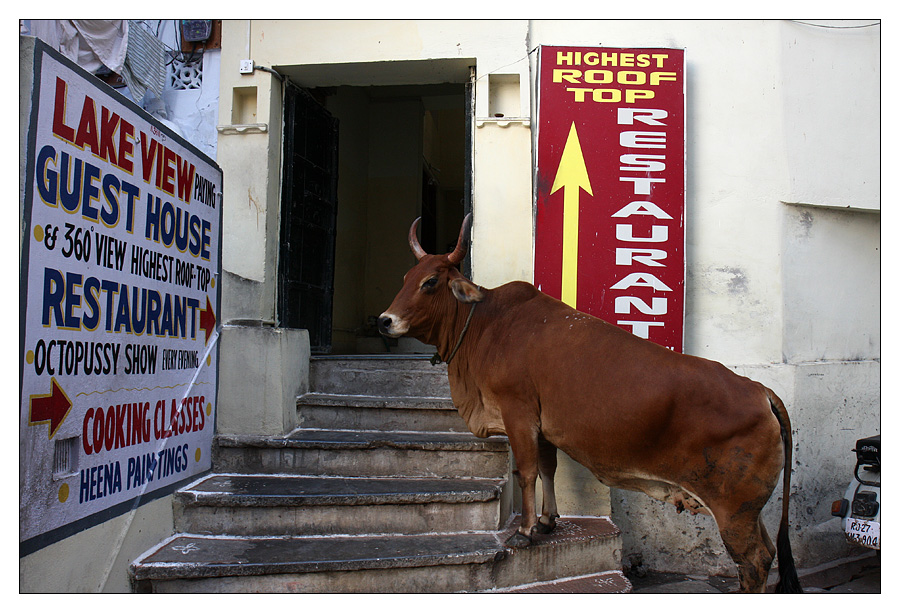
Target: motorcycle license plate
pixel 865 532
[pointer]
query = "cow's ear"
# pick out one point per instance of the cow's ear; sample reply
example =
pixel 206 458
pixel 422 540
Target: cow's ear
pixel 465 291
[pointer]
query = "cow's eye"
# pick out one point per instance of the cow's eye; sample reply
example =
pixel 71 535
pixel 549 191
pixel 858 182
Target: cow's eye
pixel 430 283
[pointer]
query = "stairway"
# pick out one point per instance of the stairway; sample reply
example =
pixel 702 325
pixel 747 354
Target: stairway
pixel 381 489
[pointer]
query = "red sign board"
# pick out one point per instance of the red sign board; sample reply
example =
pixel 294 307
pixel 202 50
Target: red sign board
pixel 609 189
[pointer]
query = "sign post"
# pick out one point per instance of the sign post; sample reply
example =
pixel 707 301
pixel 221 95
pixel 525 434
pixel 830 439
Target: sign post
pixel 609 188
pixel 119 296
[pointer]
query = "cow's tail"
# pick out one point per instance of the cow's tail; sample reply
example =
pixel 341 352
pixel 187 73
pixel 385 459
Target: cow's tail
pixel 788 582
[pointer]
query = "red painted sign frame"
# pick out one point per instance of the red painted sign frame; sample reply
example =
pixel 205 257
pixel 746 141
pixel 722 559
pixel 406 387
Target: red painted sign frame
pixel 610 186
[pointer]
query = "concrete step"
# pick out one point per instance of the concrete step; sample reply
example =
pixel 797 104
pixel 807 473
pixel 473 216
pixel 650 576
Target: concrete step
pixel 382 489
pixel 578 546
pixel 389 376
pixel 607 582
pixel 393 413
pixel 430 563
pixel 260 505
pixel 364 453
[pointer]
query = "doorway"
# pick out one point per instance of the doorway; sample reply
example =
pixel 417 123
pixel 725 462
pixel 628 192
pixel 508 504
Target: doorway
pixel 403 149
pixel 404 152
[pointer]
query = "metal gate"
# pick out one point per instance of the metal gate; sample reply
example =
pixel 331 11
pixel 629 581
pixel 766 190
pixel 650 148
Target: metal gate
pixel 308 217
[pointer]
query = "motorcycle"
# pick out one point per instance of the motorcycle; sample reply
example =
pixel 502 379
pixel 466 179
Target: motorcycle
pixel 860 507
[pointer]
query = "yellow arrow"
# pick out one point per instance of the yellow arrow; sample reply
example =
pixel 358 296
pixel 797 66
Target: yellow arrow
pixel 572 177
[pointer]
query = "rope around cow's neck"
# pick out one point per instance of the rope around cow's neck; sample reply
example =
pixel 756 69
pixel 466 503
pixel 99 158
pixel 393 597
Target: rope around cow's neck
pixel 436 358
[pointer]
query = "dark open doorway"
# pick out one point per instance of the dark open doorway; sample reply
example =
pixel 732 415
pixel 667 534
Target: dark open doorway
pixel 401 151
pixel 404 154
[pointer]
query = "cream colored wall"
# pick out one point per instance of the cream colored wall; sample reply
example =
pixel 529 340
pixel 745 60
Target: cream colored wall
pixel 97 559
pixel 502 191
pixel 249 149
pixel 502 235
pixel 312 42
pixel 254 396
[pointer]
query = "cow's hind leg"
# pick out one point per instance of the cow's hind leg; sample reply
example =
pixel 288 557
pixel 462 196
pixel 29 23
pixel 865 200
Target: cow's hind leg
pixel 750 547
pixel 547 470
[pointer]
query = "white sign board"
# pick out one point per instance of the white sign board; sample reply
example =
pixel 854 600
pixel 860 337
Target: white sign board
pixel 119 297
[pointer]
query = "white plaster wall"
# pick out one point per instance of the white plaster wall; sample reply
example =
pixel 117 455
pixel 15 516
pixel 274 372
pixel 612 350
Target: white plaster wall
pixel 194 111
pixel 312 42
pixel 831 268
pixel 831 79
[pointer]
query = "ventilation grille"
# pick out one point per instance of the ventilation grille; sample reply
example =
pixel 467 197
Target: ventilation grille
pixel 65 457
pixel 185 73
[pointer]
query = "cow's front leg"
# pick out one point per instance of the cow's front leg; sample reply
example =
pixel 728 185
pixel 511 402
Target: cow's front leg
pixel 547 469
pixel 523 439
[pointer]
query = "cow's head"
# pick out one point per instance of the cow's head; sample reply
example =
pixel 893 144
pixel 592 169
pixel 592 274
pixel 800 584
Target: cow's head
pixel 431 291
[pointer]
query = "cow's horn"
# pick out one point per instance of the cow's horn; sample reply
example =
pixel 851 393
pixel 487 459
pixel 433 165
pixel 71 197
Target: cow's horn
pixel 462 245
pixel 414 242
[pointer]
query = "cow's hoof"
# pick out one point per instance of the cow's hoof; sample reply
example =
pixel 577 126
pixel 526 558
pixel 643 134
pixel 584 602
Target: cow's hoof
pixel 518 541
pixel 545 528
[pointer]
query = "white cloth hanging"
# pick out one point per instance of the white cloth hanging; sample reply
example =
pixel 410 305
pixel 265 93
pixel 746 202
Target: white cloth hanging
pixel 90 43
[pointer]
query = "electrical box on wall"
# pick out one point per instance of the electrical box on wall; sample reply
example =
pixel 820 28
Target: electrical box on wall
pixel 196 30
pixel 200 33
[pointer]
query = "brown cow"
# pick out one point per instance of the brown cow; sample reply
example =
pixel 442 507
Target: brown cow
pixel 679 428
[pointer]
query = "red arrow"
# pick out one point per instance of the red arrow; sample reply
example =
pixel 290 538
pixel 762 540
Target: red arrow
pixel 207 319
pixel 50 408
